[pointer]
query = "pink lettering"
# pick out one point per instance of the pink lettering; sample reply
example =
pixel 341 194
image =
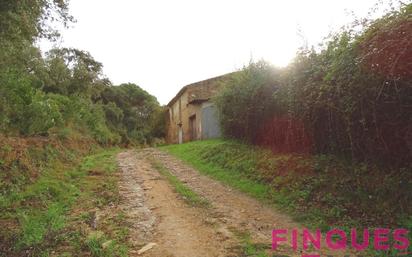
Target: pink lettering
pixel 276 239
pixel 381 236
pixel 339 244
pixel 295 239
pixel 309 238
pixel 354 238
pixel 401 237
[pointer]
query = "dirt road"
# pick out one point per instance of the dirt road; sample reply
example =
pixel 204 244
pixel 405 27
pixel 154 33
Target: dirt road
pixel 159 215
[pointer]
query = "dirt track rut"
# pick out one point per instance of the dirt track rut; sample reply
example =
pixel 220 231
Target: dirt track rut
pixel 157 214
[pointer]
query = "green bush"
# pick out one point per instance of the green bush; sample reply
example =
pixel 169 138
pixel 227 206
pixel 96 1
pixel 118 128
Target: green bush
pixel 41 115
pixel 246 100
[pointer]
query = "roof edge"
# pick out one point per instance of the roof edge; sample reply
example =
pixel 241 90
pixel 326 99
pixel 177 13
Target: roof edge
pixel 183 89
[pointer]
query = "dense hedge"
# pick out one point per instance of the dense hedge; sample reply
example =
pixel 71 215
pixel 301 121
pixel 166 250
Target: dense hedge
pixel 352 98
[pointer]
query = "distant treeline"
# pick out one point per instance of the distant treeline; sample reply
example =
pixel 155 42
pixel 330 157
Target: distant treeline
pixel 65 92
pixel 352 97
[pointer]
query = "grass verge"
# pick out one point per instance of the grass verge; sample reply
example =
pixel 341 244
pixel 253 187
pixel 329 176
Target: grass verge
pixel 58 214
pixel 191 197
pixel 249 248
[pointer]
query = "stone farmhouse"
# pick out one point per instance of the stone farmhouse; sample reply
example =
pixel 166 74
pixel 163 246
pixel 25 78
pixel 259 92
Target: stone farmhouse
pixel 191 113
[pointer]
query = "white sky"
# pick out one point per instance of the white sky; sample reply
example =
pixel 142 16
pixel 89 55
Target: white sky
pixel 162 45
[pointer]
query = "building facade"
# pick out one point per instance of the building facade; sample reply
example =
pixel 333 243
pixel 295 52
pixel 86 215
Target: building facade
pixel 191 113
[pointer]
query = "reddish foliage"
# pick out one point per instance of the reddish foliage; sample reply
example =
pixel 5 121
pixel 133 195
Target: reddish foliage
pixel 393 142
pixel 389 51
pixel 285 135
pixel 29 154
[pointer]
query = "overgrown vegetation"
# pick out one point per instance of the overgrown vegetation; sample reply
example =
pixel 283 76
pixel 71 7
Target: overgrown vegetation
pixel 321 191
pixel 351 98
pixel 57 211
pixel 55 109
pixel 65 92
pixel 337 121
pixel 99 224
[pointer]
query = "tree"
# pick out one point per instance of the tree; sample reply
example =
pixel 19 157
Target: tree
pixel 139 111
pixel 25 20
pixel 74 72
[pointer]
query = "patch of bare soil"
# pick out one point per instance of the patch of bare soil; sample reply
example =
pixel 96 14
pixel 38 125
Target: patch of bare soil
pixel 157 215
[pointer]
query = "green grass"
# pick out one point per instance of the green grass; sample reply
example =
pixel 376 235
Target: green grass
pixel 40 208
pixel 43 216
pixel 249 248
pixel 100 246
pixel 97 176
pixel 185 192
pixel 232 178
